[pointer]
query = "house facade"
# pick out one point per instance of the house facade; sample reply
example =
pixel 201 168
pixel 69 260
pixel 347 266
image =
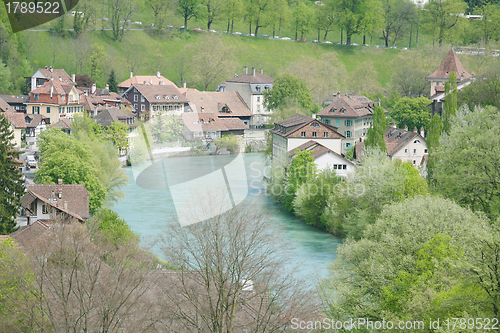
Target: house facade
pixel 55 100
pixel 352 115
pixel 325 158
pixel 18 124
pixel 407 146
pixel 209 126
pixel 250 86
pixel 290 133
pixel 152 100
pixel 35 124
pixel 16 102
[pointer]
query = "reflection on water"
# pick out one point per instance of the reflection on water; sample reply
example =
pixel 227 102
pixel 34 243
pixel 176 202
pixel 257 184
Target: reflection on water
pixel 148 211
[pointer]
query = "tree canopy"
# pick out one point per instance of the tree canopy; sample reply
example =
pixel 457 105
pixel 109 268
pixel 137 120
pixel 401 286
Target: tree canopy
pixel 375 134
pixel 412 112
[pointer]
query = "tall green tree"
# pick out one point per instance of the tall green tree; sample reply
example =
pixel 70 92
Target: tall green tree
pixel 279 15
pixel 375 135
pixel 301 170
pixel 442 16
pixel 398 15
pixel 450 102
pixel 412 112
pixel 113 84
pixel 212 11
pixel 291 90
pixel 469 156
pixel 232 10
pixel 433 135
pixel 97 62
pixel 10 179
pixel 353 15
pixel 187 9
pixel 159 8
pixel 120 12
pixel 301 18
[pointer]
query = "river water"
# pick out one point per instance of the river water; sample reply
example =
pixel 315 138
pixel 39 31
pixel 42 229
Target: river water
pixel 149 211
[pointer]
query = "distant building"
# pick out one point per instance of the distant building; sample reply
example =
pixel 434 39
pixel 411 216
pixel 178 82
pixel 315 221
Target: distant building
pixel 202 126
pixel 407 146
pixel 106 117
pixel 18 124
pixel 154 80
pixel 17 102
pixel 351 115
pixel 250 86
pixel 98 99
pixel 64 124
pixel 49 73
pixel 450 63
pixel 35 124
pixel 290 133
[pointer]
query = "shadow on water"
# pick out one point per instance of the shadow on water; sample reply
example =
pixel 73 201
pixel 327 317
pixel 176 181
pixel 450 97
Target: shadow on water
pixel 149 211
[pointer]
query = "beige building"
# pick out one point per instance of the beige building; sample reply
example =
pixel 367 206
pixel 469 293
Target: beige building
pixel 408 146
pixel 18 124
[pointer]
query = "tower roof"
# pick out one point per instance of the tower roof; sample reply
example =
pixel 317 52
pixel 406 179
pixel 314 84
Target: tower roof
pixel 450 63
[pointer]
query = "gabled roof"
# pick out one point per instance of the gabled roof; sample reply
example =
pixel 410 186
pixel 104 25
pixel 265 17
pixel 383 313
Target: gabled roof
pixel 4 106
pixel 214 102
pixel 321 124
pixel 63 123
pixel 395 139
pixel 145 79
pixel 349 106
pixel 15 99
pixel 205 122
pixel 317 150
pixel 296 119
pixel 16 119
pixel 36 119
pixel 30 233
pixel 59 88
pixel 160 93
pixel 106 117
pixel 76 195
pixel 56 73
pixel 249 78
pixel 450 63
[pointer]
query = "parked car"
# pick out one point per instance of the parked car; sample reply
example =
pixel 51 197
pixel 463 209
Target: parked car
pixel 197 29
pixel 237 33
pixel 328 42
pixel 31 161
pixel 286 38
pixel 302 40
pixel 263 36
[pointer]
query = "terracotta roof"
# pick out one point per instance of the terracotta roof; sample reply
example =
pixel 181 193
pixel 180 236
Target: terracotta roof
pixel 145 79
pixel 160 93
pixel 215 102
pixel 76 195
pixel 59 88
pixel 296 119
pixel 249 78
pixel 15 99
pixel 317 150
pixel 197 122
pixel 106 117
pixel 35 120
pixel 16 119
pixel 64 123
pixel 450 63
pixel 56 73
pixel 396 139
pixel 333 129
pixel 185 90
pixel 349 106
pixel 29 234
pixel 4 106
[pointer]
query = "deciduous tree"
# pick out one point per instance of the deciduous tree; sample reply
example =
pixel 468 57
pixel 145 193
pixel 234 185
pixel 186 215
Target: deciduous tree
pixel 375 135
pixel 289 89
pixel 442 16
pixel 450 102
pixel 412 112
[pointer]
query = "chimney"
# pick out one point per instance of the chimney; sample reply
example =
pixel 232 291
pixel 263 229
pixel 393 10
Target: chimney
pixel 422 132
pixel 406 128
pixel 107 86
pixel 65 205
pixel 184 85
pixel 59 181
pixel 379 102
pixel 253 71
pixel 94 87
pixel 46 67
pixel 73 78
pixel 60 78
pixel 394 125
pixel 51 69
pixel 131 74
pixel 51 90
pixel 158 75
pixel 151 81
pixel 245 70
pixel 415 129
pixel 262 71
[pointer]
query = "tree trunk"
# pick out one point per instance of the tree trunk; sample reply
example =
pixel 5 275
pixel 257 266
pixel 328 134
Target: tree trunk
pixel 279 29
pixel 185 22
pixel 296 32
pixel 371 39
pixel 364 39
pixel 341 35
pixel 274 29
pixel 324 39
pixel 318 34
pixel 348 39
pixel 228 23
pixel 250 30
pixel 232 25
pixel 416 39
pixel 411 31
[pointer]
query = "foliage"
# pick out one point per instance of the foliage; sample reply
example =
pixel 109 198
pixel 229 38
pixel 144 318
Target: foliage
pixel 289 89
pixel 450 102
pixel 354 16
pixel 230 142
pixel 466 170
pixel 412 112
pixel 410 265
pixel 409 81
pixel 118 132
pixel 187 9
pixel 165 128
pixel 302 169
pixel 113 84
pixel 375 134
pixel 485 90
pixel 312 197
pixel 359 200
pixel 114 229
pixel 119 16
pixel 398 15
pixel 10 179
pixel 433 135
pixel 442 16
pixel 212 10
pixel 301 16
pixel 83 80
pixel 97 60
pixel 350 154
pixel 159 8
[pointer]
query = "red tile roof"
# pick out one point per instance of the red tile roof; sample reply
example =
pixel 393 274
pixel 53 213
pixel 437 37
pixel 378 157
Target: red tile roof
pixel 56 73
pixel 349 106
pixel 197 122
pixel 317 150
pixel 64 123
pixel 450 63
pixel 146 79
pixel 249 78
pixel 15 118
pixel 214 102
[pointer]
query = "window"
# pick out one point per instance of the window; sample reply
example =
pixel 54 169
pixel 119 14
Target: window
pixel 414 151
pixel 347 134
pixel 314 135
pixel 44 209
pixel 414 162
pixel 337 122
pixel 327 121
pixel 143 107
pixel 314 125
pixel 347 122
pixel 48 109
pixel 35 97
pixel 142 99
pixel 136 98
pixel 258 108
pixel 344 166
pixel 135 106
pixel 303 134
pixel 258 99
pixel 425 151
pixel 347 145
pixel 325 134
pixel 36 110
pixel 416 141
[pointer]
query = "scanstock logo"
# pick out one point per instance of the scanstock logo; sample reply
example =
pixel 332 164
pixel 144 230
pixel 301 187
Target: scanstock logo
pixel 28 14
pixel 208 187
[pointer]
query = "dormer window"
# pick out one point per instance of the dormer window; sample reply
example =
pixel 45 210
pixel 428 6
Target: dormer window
pixel 166 97
pixel 35 97
pixel 63 97
pixel 157 96
pixel 257 88
pixel 314 125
